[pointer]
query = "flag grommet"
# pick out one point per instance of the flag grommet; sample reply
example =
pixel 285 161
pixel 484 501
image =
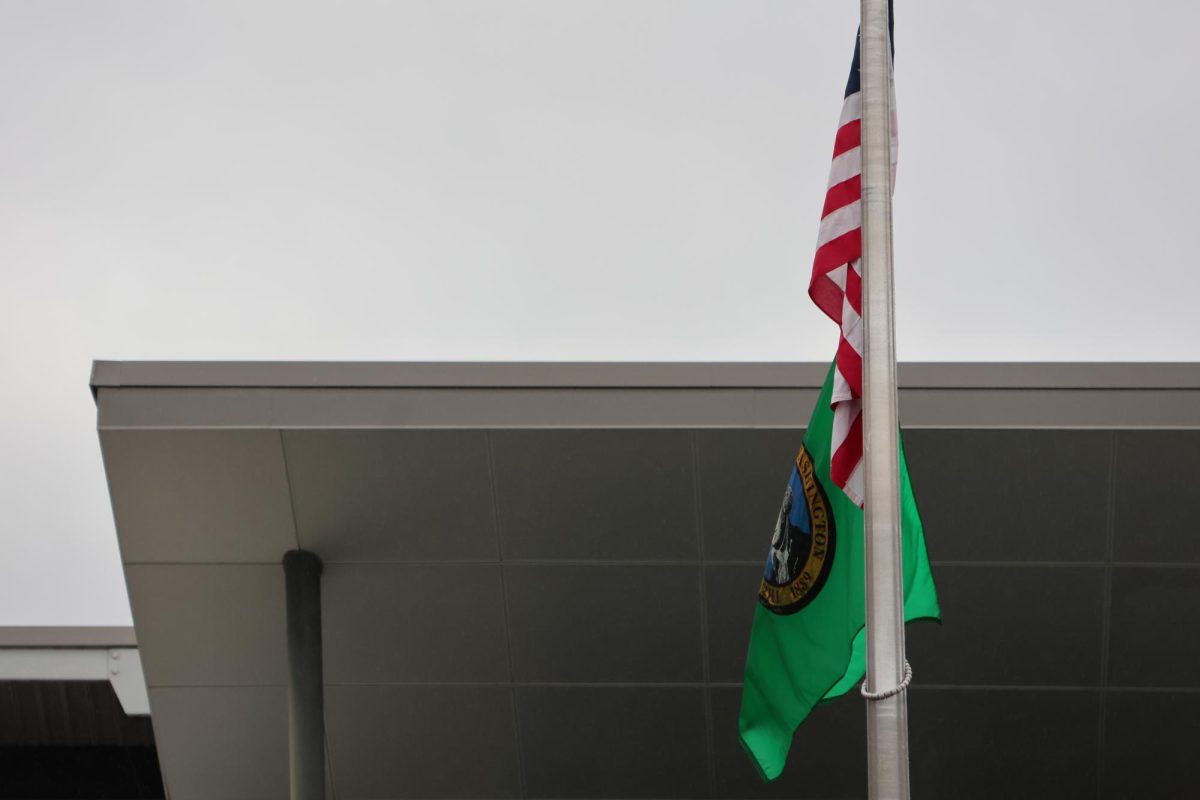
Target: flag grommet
pixel 890 692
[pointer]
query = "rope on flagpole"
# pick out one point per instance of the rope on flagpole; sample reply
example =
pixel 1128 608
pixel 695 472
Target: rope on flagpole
pixel 884 695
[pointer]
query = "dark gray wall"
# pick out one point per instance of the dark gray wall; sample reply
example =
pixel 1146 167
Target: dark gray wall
pixel 563 613
pixel 61 739
pixel 622 567
pixel 1068 564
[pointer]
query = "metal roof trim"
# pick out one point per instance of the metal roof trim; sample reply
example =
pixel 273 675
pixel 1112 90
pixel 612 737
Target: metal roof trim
pixel 628 375
pixel 31 636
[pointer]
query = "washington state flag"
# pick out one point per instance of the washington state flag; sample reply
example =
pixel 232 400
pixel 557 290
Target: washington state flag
pixel 808 644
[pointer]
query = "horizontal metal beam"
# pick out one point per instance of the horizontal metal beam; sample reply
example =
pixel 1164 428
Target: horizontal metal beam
pixel 279 408
pixel 120 666
pixel 67 636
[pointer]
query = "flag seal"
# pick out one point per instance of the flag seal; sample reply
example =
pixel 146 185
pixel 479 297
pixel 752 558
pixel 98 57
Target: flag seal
pixel 802 547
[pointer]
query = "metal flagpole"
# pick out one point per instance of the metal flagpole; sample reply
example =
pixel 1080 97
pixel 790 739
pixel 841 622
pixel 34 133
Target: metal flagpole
pixel 887 717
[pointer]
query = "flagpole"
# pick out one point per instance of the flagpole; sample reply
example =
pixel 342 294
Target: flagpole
pixel 887 716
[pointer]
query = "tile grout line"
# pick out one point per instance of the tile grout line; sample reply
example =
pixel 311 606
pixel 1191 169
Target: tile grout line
pixel 705 667
pixel 512 677
pixel 333 792
pixel 1002 687
pixel 709 562
pixel 1110 527
pixel 1031 564
pixel 287 479
pixel 941 687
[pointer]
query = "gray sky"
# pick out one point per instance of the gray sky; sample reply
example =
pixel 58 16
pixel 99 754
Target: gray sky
pixel 549 180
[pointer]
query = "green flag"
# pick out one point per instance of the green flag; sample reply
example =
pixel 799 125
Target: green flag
pixel 808 642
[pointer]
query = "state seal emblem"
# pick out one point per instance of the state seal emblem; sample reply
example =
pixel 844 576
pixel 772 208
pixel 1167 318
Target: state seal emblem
pixel 802 546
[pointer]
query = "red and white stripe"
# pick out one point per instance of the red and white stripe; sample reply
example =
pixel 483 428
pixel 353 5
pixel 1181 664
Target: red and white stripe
pixel 836 288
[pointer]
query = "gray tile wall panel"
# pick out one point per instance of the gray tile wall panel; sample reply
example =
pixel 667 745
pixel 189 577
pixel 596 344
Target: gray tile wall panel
pixel 1012 625
pixel 372 495
pixel 394 623
pixel 592 494
pixel 1150 746
pixel 604 623
pixel 422 742
pixel 1155 639
pixel 222 743
pixel 1158 496
pixel 1011 495
pixel 198 496
pixel 1003 744
pixel 614 742
pixel 742 479
pixel 827 760
pixel 208 625
pixel 731 595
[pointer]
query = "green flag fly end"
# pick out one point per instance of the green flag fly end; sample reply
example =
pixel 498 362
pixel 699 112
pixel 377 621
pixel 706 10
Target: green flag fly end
pixel 807 644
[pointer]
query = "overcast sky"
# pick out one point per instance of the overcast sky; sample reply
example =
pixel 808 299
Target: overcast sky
pixel 549 180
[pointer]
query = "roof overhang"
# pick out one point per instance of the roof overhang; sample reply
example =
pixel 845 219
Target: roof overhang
pixel 436 496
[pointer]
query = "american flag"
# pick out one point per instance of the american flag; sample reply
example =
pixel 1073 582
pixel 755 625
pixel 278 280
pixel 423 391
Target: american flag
pixel 836 284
